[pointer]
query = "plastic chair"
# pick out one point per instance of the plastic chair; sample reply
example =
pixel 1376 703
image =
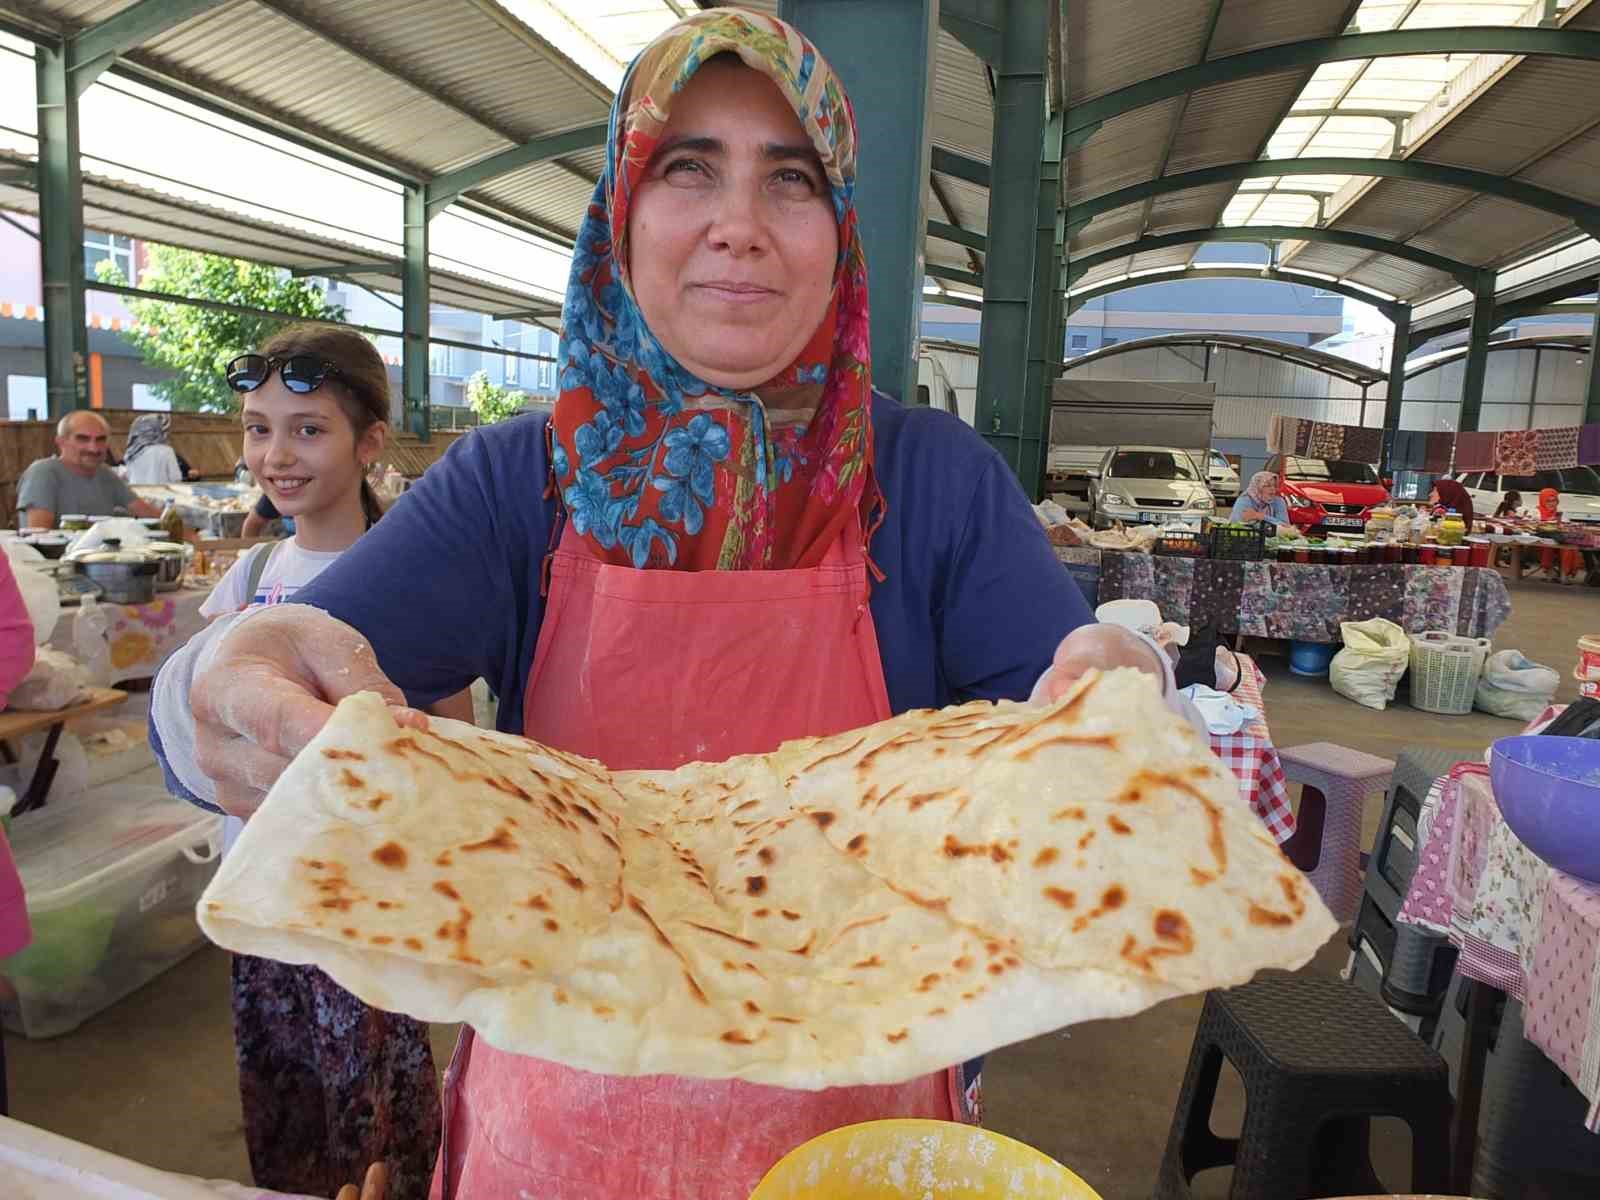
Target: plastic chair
pixel 1326 844
pixel 1319 1059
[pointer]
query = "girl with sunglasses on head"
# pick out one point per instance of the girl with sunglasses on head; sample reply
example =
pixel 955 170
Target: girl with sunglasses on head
pixel 328 1085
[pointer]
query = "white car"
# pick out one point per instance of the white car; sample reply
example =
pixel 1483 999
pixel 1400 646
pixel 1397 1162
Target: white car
pixel 1222 478
pixel 1579 488
pixel 1148 485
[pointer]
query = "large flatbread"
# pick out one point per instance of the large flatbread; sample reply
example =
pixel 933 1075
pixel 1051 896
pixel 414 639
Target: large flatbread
pixel 853 909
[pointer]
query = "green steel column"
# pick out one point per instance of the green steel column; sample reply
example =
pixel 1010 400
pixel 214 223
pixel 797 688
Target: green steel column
pixel 414 307
pixel 1047 329
pixel 883 50
pixel 1591 408
pixel 66 341
pixel 1397 366
pixel 1011 335
pixel 1477 352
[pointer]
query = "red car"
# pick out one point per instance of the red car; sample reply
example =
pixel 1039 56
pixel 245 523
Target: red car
pixel 1326 495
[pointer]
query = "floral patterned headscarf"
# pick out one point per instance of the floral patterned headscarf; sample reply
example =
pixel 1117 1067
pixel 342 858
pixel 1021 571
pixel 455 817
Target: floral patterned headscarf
pixel 656 467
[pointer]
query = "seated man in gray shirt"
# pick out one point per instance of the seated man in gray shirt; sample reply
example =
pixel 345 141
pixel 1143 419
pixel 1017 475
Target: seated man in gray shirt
pixel 77 480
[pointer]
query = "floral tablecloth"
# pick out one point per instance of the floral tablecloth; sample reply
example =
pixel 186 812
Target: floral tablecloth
pixel 1301 601
pixel 142 635
pixel 1251 756
pixel 1523 927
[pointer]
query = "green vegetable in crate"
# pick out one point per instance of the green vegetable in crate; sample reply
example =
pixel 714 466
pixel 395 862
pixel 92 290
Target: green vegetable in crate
pixel 68 944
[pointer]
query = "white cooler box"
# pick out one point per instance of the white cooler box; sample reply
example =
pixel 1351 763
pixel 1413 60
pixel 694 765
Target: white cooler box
pixel 112 878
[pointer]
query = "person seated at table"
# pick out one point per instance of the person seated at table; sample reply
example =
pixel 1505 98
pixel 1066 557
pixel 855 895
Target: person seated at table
pixel 1510 506
pixel 1260 501
pixel 149 458
pixel 1446 494
pixel 1571 568
pixel 76 479
pixel 262 515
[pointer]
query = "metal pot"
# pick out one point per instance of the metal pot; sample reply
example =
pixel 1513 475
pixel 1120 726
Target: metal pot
pixel 173 557
pixel 127 576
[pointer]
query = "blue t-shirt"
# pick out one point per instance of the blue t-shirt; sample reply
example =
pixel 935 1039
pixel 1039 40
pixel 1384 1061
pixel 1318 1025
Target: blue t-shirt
pixel 446 586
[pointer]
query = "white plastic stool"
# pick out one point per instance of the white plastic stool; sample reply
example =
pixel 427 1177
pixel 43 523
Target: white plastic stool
pixel 1326 844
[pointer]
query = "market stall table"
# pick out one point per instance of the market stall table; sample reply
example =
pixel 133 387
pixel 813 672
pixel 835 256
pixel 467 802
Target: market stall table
pixel 1523 928
pixel 1303 601
pixel 1251 756
pixel 18 724
pixel 142 635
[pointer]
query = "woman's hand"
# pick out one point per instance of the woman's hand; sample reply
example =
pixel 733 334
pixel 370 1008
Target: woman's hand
pixel 269 688
pixel 375 1187
pixel 1252 514
pixel 1096 647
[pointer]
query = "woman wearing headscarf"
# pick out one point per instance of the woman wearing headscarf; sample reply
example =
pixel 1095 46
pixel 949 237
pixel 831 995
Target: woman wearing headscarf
pixel 1571 562
pixel 148 458
pixel 1260 501
pixel 1447 494
pixel 723 538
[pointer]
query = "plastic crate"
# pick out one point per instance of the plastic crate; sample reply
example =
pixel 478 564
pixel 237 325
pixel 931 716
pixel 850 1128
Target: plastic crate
pixel 1235 544
pixel 1178 541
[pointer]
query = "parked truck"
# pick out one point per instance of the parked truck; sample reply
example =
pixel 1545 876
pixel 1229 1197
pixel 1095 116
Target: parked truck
pixel 1091 417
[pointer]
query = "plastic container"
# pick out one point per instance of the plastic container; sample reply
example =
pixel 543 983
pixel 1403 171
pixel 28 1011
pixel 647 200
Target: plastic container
pixel 1480 550
pixel 1311 658
pixel 1548 790
pixel 1445 670
pixel 1428 555
pixel 112 878
pixel 1589 658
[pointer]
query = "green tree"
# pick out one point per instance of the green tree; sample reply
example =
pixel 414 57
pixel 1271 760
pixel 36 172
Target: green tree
pixel 197 343
pixel 491 401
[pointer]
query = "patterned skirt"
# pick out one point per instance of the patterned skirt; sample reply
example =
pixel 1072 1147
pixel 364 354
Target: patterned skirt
pixel 330 1085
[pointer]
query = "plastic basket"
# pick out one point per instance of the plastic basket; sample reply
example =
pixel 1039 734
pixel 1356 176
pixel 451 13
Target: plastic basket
pixel 1445 670
pixel 1236 544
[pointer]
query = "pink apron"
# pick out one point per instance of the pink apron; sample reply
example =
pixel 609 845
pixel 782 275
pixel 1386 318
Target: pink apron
pixel 652 669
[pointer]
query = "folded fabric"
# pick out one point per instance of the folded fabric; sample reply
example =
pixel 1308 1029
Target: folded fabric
pixel 1440 446
pixel 1515 452
pixel 1475 451
pixel 1589 445
pixel 1327 441
pixel 1556 448
pixel 1362 444
pixel 1221 712
pixel 1410 452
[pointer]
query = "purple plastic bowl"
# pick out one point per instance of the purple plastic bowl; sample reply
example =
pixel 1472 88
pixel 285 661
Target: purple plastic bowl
pixel 1548 789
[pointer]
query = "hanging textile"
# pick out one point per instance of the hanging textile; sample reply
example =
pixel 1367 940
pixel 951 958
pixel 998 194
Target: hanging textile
pixel 1410 451
pixel 1362 444
pixel 1589 446
pixel 1515 452
pixel 1556 448
pixel 1439 448
pixel 1327 441
pixel 1474 452
pixel 1302 435
pixel 1279 439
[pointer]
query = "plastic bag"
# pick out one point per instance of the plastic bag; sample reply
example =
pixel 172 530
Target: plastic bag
pixel 1374 657
pixel 1514 686
pixel 40 595
pixel 56 681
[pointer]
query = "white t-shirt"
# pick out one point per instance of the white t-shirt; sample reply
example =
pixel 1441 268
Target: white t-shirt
pixel 288 570
pixel 155 464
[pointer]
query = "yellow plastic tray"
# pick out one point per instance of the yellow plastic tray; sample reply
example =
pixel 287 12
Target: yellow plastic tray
pixel 910 1160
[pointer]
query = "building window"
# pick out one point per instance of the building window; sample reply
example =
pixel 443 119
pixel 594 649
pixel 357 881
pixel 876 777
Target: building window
pixel 1079 341
pixel 513 365
pixel 107 247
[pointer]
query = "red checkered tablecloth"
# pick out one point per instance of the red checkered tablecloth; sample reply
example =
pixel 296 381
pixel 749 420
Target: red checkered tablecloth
pixel 1251 756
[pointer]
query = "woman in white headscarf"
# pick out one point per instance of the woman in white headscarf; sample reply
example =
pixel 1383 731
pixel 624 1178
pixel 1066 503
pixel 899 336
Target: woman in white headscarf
pixel 149 459
pixel 1261 501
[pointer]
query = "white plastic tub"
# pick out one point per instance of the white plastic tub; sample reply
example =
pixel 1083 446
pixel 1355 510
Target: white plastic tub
pixel 112 878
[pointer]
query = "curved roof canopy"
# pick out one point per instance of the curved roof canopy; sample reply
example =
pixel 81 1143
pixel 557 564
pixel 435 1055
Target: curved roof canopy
pixel 1301 356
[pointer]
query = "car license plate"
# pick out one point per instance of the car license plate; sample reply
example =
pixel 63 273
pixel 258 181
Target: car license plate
pixel 1345 522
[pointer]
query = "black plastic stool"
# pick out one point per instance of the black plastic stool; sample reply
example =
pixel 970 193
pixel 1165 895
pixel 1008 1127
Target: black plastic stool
pixel 1319 1059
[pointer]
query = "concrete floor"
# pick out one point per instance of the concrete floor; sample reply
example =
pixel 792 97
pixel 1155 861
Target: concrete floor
pixel 153 1077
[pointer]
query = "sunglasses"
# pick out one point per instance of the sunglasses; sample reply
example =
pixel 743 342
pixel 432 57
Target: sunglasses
pixel 300 373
